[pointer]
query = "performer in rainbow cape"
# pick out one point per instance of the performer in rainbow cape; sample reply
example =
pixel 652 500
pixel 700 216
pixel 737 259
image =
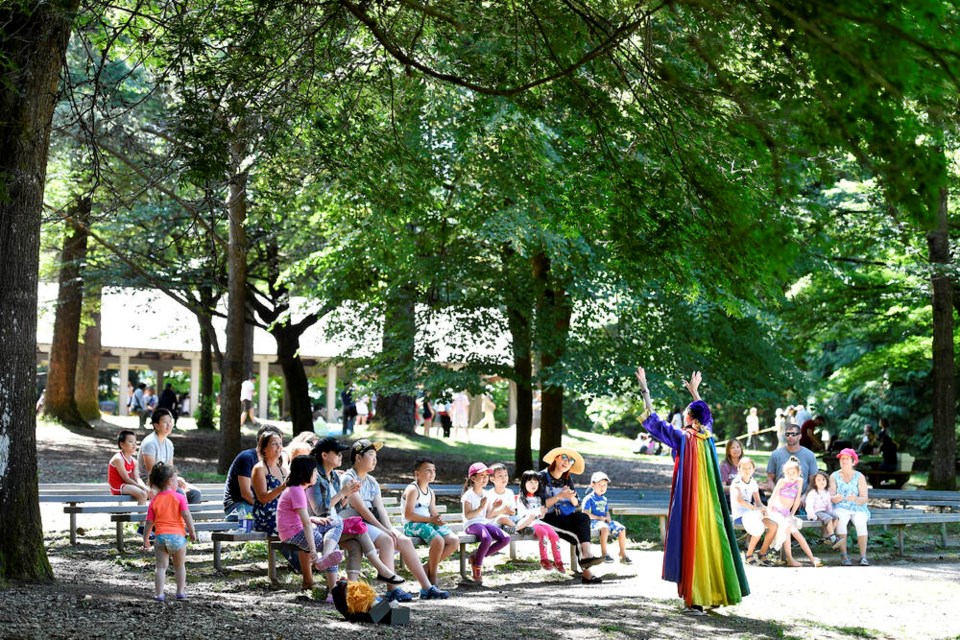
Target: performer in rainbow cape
pixel 700 553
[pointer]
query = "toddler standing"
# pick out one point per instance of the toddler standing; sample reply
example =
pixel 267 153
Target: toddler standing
pixel 169 514
pixel 492 538
pixel 597 508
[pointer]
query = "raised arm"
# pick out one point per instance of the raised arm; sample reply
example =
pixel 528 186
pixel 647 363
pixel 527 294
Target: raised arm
pixel 644 389
pixel 693 384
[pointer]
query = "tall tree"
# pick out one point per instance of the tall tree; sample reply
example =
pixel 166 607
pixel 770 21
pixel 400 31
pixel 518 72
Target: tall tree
pixel 61 401
pixel 33 38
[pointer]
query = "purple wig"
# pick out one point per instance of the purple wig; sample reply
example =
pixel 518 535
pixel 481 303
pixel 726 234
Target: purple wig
pixel 700 412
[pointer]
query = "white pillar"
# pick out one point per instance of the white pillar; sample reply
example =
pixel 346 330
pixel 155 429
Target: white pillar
pixel 194 382
pixel 124 377
pixel 331 393
pixel 512 416
pixel 264 381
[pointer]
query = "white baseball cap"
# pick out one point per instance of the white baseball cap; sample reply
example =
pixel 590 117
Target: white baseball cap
pixel 598 476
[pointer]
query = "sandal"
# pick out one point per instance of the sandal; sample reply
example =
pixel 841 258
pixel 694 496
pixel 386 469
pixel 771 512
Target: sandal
pixel 591 580
pixel 394 579
pixel 816 562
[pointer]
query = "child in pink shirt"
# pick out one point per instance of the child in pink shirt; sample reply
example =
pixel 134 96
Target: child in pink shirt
pixel 296 527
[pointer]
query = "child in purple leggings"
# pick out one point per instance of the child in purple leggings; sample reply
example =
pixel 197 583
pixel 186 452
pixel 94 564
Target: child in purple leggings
pixel 492 538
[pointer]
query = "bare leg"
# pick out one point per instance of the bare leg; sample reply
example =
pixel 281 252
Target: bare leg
pixel 180 570
pixel 306 570
pixel 622 540
pixel 412 560
pixel 752 545
pixel 163 561
pixel 862 544
pixel 806 547
pixel 604 533
pixel 768 539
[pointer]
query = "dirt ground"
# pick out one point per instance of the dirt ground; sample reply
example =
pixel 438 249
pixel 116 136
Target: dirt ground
pixel 101 593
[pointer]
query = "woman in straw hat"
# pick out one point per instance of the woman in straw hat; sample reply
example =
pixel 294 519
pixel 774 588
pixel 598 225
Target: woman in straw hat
pixel 700 553
pixel 558 496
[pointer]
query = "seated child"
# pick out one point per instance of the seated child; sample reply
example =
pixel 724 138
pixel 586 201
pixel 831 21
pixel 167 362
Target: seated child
pixel 595 506
pixel 783 504
pixel 169 514
pixel 121 471
pixel 296 527
pixel 819 506
pixel 474 503
pixel 747 509
pixel 500 499
pixel 421 520
pixel 529 510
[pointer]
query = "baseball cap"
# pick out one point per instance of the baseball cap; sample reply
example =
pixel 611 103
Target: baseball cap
pixel 598 476
pixel 329 444
pixel 477 467
pixel 360 447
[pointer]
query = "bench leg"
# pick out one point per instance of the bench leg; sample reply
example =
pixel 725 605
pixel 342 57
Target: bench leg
pixel 663 529
pixel 574 565
pixel 463 560
pixel 73 525
pixel 271 562
pixel 900 539
pixel 513 549
pixel 216 555
pixel 943 534
pixel 120 537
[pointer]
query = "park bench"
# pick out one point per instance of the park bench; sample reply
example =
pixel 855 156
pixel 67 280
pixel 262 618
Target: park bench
pixel 87 498
pixel 920 497
pixel 898 519
pixel 203 511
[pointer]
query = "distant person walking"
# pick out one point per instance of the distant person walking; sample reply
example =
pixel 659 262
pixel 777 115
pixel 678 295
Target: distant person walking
pixel 246 400
pixel 349 411
pixel 753 427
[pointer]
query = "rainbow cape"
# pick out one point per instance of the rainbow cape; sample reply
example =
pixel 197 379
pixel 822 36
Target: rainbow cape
pixel 700 553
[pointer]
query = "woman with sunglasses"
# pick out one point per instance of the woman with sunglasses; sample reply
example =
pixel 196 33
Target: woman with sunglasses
pixel 557 494
pixel 700 553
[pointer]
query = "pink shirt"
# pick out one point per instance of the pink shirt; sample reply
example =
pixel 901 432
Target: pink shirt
pixel 288 520
pixel 817 501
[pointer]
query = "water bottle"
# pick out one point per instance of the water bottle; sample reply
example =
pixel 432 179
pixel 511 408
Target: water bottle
pixel 248 523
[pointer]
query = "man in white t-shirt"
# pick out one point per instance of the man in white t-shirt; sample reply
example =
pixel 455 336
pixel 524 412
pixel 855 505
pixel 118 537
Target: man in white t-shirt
pixel 246 400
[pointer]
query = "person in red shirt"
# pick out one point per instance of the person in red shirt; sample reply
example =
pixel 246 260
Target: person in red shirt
pixel 122 469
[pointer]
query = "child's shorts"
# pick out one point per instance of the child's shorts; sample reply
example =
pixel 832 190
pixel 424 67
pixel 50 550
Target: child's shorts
pixel 613 526
pixel 170 542
pixel 426 531
pixel 826 516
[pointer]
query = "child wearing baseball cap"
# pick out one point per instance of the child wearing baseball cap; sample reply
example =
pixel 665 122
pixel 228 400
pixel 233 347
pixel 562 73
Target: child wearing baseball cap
pixel 596 507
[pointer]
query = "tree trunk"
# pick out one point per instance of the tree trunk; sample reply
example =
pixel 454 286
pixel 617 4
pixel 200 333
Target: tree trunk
pixel 232 370
pixel 943 473
pixel 34 42
pixel 294 376
pixel 88 363
pixel 208 336
pixel 61 403
pixel 396 406
pixel 519 311
pixel 553 325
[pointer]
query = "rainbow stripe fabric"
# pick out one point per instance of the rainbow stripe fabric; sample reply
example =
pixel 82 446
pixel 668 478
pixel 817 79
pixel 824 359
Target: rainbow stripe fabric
pixel 700 553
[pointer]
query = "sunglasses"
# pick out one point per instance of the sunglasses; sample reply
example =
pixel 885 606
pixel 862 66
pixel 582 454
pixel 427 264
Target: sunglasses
pixel 793 433
pixel 565 457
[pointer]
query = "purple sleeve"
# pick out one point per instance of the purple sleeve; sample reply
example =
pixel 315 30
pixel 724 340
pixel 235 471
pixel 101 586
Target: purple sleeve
pixel 662 431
